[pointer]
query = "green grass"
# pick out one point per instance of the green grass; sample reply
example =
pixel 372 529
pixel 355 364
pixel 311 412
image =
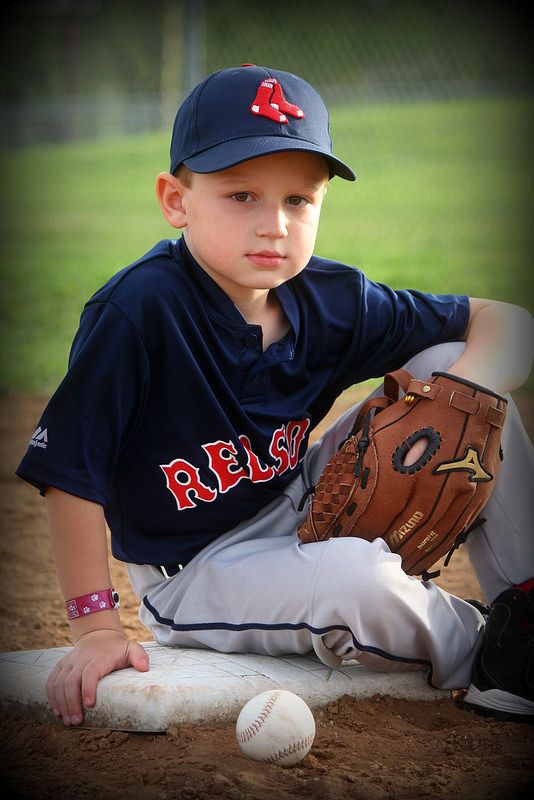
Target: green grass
pixel 441 204
pixel 442 200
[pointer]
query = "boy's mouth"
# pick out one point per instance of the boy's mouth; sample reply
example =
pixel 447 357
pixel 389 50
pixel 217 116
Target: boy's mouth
pixel 266 258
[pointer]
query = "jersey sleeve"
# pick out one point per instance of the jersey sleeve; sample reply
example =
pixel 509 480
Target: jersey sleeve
pixel 393 325
pixel 94 411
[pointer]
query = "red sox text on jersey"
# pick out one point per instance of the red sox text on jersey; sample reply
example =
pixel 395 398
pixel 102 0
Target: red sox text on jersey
pixel 183 478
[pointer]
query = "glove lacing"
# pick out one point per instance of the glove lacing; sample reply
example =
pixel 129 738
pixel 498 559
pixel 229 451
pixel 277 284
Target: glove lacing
pixel 363 444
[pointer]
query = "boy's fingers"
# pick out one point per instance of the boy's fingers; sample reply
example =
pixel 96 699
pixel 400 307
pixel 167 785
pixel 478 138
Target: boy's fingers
pixel 138 657
pixel 51 692
pixel 90 677
pixel 57 694
pixel 72 688
pixel 73 696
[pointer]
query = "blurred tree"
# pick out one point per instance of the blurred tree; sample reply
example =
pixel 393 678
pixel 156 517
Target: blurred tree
pixel 62 47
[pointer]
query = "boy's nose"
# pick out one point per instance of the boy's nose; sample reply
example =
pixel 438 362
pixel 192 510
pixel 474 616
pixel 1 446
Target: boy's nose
pixel 272 223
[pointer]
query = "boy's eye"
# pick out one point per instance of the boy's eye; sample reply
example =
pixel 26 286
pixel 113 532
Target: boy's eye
pixel 242 197
pixel 296 200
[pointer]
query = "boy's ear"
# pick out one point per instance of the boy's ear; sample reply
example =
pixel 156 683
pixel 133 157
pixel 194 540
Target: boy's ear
pixel 170 193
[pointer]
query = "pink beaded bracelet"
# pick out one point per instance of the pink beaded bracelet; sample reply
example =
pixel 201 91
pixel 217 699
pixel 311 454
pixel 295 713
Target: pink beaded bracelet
pixel 103 600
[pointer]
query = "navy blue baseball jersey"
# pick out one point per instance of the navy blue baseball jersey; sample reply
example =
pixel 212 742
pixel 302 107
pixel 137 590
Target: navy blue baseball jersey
pixel 174 418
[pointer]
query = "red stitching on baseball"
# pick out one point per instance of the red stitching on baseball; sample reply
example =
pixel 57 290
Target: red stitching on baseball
pixel 250 731
pixel 288 751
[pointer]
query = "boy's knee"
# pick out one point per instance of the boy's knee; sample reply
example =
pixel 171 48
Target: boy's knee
pixel 355 568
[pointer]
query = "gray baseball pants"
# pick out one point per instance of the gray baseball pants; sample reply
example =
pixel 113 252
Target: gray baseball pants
pixel 257 589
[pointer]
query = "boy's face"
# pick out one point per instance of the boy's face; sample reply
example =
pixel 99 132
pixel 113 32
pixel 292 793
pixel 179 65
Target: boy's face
pixel 253 226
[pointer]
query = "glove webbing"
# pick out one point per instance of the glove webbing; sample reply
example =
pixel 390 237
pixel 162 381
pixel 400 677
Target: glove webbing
pixel 363 444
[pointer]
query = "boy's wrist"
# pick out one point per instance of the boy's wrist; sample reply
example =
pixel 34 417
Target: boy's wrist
pixel 106 622
pixel 93 633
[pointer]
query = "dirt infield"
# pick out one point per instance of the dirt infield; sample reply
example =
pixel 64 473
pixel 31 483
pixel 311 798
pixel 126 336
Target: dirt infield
pixel 367 750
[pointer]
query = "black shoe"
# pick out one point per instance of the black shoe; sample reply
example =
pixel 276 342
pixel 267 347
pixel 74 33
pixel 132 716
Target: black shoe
pixel 502 685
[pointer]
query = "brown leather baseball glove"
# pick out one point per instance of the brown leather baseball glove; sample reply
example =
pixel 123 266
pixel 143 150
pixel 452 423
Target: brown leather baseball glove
pixel 423 510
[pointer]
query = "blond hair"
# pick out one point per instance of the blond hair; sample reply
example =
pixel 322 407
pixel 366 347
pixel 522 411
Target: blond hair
pixel 184 175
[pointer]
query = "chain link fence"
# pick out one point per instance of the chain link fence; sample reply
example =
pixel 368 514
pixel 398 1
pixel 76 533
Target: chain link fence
pixel 79 69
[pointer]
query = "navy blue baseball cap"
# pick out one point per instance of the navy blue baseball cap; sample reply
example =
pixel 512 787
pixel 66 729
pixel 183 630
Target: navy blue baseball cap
pixel 245 112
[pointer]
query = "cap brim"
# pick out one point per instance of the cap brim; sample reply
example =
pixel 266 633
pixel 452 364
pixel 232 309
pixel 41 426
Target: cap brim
pixel 229 154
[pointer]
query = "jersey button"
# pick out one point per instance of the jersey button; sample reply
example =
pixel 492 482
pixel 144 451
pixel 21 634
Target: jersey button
pixel 251 340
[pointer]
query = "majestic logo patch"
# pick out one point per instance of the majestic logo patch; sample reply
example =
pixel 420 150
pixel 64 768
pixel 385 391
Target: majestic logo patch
pixel 470 462
pixel 271 103
pixel 39 438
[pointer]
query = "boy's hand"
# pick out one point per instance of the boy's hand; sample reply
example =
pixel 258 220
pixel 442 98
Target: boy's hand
pixel 71 686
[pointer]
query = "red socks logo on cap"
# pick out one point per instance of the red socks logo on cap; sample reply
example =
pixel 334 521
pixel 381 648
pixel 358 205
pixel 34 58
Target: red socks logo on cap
pixel 271 103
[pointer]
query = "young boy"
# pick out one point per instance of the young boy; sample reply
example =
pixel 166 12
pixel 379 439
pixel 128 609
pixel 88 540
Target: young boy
pixel 194 381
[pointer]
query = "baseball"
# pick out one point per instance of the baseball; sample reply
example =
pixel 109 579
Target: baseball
pixel 276 727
